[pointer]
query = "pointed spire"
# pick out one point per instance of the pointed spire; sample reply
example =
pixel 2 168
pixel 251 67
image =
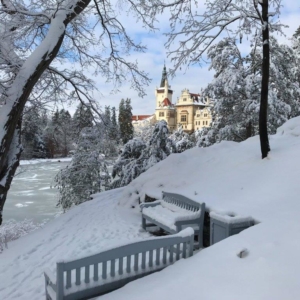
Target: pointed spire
pixel 164 76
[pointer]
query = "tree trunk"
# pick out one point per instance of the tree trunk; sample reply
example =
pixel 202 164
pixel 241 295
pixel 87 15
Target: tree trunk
pixel 248 129
pixel 263 113
pixel 11 111
pixel 11 166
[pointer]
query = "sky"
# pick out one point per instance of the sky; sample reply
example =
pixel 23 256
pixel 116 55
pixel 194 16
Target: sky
pixel 152 62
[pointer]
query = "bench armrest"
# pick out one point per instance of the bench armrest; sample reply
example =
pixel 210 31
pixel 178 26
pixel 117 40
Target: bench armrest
pixel 50 276
pixel 150 204
pixel 50 280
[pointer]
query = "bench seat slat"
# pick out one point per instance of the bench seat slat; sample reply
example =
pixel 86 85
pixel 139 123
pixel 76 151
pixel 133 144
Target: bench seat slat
pixel 167 216
pixel 174 213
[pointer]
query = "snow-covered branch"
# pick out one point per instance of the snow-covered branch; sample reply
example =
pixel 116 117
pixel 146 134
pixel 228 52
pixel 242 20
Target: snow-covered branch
pixel 36 36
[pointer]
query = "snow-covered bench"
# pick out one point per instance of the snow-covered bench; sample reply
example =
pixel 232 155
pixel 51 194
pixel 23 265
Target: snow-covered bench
pixel 173 213
pixel 104 272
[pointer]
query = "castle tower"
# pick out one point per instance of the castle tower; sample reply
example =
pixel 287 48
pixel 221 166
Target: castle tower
pixel 165 110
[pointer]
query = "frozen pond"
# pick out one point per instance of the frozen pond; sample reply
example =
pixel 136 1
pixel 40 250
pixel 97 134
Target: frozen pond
pixel 31 195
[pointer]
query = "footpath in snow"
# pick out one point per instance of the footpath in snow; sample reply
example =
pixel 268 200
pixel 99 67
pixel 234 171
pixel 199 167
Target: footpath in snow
pixel 87 229
pixel 230 178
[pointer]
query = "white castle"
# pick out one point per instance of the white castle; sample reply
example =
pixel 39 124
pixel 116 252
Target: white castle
pixel 191 111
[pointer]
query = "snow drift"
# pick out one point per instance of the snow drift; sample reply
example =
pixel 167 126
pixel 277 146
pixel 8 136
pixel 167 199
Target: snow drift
pixel 230 178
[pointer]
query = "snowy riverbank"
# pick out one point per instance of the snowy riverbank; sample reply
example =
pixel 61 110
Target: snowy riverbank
pixel 44 160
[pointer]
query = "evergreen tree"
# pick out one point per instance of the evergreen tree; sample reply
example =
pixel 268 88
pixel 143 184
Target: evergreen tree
pixel 144 131
pixel 182 140
pixel 137 156
pixel 58 134
pixel 32 134
pixel 114 132
pixel 125 120
pixel 122 119
pixel 297 33
pixel 87 174
pixel 107 121
pixel 65 138
pixel 129 126
pixel 82 118
pixel 107 116
pixel 130 163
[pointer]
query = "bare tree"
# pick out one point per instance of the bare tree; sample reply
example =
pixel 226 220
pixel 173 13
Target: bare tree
pixel 38 38
pixel 192 34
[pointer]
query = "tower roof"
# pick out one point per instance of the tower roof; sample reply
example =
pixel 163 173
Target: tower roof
pixel 163 77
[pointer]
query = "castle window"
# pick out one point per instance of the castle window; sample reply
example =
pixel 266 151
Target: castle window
pixel 161 114
pixel 184 99
pixel 205 115
pixel 183 118
pixel 206 122
pixel 203 122
pixel 198 116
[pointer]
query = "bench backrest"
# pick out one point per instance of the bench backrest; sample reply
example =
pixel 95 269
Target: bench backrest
pixel 181 201
pixel 134 259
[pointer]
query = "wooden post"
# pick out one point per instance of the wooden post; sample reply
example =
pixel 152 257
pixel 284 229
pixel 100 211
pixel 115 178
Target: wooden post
pixel 60 281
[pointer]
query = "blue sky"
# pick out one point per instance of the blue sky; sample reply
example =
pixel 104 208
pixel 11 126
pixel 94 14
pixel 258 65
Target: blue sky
pixel 195 78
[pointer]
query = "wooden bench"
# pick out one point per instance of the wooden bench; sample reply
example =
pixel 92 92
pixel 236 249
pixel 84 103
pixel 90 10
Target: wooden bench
pixel 173 213
pixel 107 271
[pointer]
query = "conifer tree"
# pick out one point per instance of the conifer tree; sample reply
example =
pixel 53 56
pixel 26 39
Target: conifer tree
pixel 137 156
pixel 297 33
pixel 82 118
pixel 128 109
pixel 125 120
pixel 32 134
pixel 114 132
pixel 182 140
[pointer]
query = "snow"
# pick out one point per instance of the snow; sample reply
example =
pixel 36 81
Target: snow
pixel 89 228
pixel 168 214
pixel 260 263
pixel 230 218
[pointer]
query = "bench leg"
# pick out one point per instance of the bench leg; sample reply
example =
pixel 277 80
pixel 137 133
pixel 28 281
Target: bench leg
pixel 143 223
pixel 197 245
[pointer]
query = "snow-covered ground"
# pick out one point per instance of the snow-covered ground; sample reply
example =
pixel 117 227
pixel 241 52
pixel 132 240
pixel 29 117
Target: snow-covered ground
pixel 230 178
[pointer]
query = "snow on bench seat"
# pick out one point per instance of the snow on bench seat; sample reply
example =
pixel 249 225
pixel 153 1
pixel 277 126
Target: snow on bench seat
pixel 168 214
pixel 173 213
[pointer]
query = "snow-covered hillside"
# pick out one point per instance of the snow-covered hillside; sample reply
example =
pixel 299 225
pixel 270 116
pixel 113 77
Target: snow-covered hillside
pixel 230 178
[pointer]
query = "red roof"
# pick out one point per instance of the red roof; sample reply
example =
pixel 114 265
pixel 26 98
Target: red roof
pixel 195 97
pixel 166 102
pixel 140 117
